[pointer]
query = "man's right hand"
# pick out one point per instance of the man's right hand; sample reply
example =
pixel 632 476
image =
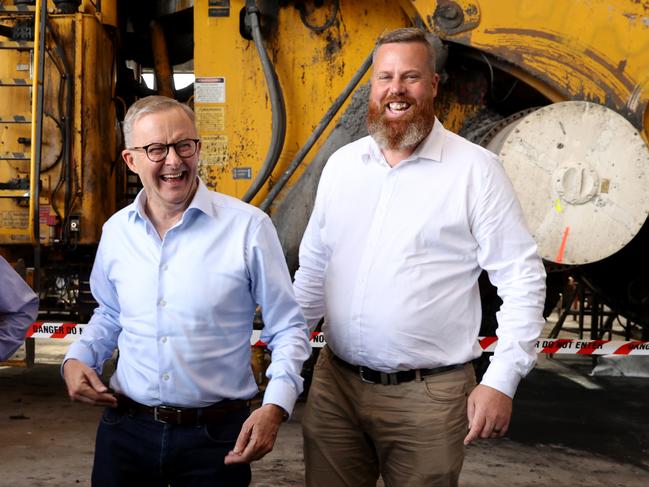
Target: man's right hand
pixel 84 385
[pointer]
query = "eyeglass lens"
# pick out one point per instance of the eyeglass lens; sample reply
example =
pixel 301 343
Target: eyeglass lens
pixel 184 148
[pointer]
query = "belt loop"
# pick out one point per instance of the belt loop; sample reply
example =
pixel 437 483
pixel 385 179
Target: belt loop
pixel 418 376
pixel 385 378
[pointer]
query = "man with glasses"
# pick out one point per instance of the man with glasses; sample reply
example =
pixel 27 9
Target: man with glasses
pixel 177 276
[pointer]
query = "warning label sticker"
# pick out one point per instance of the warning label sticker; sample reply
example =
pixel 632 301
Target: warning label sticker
pixel 209 90
pixel 14 219
pixel 210 118
pixel 214 150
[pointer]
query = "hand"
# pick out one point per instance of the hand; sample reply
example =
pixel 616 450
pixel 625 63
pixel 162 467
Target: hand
pixel 489 413
pixel 84 385
pixel 257 435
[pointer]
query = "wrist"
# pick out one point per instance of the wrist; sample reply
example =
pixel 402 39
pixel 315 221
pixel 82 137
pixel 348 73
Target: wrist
pixel 281 414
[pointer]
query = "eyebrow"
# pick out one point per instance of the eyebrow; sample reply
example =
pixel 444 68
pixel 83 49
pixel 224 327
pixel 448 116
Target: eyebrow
pixel 404 73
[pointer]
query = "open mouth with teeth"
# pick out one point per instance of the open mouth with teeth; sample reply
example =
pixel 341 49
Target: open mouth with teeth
pixel 175 177
pixel 396 108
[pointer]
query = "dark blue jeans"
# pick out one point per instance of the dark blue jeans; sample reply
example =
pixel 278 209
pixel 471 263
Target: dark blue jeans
pixel 140 452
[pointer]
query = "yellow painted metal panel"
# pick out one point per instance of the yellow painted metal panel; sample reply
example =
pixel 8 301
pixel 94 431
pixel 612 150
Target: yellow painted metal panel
pixel 583 49
pixel 89 53
pixel 232 104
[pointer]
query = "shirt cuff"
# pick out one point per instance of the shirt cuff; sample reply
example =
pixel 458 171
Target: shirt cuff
pixel 281 394
pixel 502 377
pixel 82 354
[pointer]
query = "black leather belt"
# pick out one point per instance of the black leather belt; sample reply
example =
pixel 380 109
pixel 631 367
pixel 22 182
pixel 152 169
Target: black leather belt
pixel 372 376
pixel 182 416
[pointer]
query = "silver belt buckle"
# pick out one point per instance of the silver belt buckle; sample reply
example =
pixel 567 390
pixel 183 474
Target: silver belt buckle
pixel 363 379
pixel 166 409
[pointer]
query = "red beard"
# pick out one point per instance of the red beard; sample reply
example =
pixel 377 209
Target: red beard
pixel 404 133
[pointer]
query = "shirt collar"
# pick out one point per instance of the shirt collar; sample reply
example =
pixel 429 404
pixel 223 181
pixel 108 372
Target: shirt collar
pixel 200 202
pixel 430 148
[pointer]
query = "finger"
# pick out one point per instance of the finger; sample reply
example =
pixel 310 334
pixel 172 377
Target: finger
pixel 87 394
pixel 95 402
pixel 232 458
pixel 95 382
pixel 244 456
pixel 470 411
pixel 243 439
pixel 487 429
pixel 500 431
pixel 475 430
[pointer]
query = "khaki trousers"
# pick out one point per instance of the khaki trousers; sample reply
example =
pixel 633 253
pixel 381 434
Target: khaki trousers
pixel 411 434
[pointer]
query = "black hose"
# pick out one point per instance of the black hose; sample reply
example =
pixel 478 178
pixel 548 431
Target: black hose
pixel 67 142
pixel 277 105
pixel 317 132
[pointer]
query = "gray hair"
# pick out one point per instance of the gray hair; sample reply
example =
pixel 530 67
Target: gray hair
pixel 147 105
pixel 409 34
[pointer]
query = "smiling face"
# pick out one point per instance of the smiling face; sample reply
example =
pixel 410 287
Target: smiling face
pixel 170 184
pixel 403 88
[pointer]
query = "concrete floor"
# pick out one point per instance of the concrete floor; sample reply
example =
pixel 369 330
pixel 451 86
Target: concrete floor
pixel 568 429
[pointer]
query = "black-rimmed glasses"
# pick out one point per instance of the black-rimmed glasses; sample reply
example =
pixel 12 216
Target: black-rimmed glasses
pixel 157 152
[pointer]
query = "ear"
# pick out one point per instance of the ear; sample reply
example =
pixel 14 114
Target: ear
pixel 129 160
pixel 435 84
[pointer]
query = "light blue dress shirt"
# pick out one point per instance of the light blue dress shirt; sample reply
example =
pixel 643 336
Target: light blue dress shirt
pixel 180 309
pixel 18 309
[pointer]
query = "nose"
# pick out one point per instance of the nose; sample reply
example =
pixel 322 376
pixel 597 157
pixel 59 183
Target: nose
pixel 172 156
pixel 396 86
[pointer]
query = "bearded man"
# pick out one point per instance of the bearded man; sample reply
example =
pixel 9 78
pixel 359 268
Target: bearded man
pixel 404 222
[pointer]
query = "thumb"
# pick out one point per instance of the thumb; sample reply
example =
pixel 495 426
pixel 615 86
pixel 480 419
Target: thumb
pixel 95 381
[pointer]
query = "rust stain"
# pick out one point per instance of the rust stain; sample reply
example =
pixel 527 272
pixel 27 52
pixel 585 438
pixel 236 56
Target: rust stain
pixel 520 52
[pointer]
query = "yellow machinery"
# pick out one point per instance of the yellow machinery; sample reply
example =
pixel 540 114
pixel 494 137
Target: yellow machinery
pixel 559 89
pixel 59 141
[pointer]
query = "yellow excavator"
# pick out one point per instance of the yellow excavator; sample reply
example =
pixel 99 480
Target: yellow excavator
pixel 559 89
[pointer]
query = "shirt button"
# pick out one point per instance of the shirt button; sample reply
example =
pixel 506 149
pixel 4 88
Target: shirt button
pixel 165 377
pixel 164 340
pixel 165 267
pixel 163 303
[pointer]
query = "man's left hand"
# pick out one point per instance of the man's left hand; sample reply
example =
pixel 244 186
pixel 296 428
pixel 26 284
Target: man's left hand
pixel 257 435
pixel 489 413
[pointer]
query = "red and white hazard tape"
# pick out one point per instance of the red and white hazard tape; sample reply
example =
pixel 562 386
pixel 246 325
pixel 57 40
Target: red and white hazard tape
pixel 44 329
pixel 578 347
pixel 72 331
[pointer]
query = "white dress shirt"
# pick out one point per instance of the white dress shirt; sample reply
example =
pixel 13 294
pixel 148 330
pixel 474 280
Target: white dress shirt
pixel 180 309
pixel 391 257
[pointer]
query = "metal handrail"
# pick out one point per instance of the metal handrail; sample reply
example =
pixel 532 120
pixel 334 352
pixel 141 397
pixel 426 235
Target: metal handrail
pixel 37 134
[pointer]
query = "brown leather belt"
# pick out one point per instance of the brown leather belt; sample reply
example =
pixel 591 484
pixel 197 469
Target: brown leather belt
pixel 182 416
pixel 372 376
